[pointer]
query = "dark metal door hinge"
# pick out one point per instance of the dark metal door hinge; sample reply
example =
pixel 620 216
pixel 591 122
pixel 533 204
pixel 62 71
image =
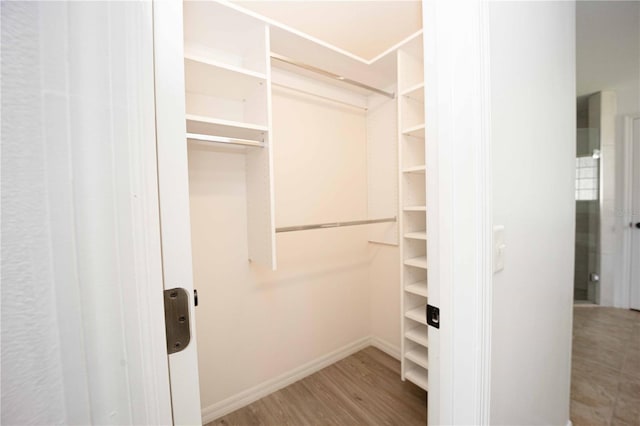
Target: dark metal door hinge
pixel 176 319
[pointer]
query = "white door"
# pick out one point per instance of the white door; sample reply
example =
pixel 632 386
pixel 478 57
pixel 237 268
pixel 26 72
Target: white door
pixel 634 297
pixel 173 181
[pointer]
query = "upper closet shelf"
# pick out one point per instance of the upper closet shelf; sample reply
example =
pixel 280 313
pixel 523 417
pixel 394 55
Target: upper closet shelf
pixel 223 35
pixel 416 131
pixel 415 92
pixel 380 73
pixel 330 75
pixel 231 129
pixel 213 78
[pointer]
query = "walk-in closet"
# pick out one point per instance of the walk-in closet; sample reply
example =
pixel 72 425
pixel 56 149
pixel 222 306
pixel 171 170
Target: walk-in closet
pixel 306 177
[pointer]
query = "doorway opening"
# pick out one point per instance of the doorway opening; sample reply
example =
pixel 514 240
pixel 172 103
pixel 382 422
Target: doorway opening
pixel 587 196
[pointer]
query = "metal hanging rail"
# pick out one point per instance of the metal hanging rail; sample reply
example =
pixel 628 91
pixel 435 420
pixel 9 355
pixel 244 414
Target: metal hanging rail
pixel 334 224
pixel 330 74
pixel 326 98
pixel 225 140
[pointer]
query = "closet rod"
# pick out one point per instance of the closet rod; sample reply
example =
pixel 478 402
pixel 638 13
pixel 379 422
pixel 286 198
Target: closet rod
pixel 326 98
pixel 334 224
pixel 330 74
pixel 223 139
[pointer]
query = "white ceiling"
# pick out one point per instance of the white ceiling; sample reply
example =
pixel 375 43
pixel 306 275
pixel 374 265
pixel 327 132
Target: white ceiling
pixel 364 28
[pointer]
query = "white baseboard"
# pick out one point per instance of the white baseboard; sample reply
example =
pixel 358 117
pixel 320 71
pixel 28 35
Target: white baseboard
pixel 386 347
pixel 569 423
pixel 248 396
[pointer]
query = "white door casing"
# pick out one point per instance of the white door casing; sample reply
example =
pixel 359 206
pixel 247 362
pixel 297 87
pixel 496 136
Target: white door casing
pixel 460 250
pixel 632 212
pixel 173 184
pixel 457 106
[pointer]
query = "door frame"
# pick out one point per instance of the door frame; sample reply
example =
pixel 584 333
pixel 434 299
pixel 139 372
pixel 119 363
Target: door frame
pixel 458 134
pixel 173 194
pixel 457 63
pixel 627 206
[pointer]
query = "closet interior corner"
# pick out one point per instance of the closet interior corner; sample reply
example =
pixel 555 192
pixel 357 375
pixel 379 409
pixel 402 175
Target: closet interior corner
pixel 302 153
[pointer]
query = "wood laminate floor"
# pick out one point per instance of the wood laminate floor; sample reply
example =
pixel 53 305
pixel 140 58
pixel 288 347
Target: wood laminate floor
pixel 605 376
pixel 362 389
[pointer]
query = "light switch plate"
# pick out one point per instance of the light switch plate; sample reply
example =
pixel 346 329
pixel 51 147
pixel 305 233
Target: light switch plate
pixel 499 248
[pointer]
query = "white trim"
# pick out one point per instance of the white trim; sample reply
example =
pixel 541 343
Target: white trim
pixel 395 47
pixel 173 181
pixel 457 105
pixel 432 148
pixel 250 395
pixel 624 297
pixel 147 334
pixel 485 230
pixel 386 347
pixel 569 423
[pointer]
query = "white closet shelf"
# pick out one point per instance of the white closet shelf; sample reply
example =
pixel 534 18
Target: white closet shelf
pixel 380 73
pixel 420 288
pixel 419 355
pixel 217 127
pixel 418 376
pixel 415 169
pixel 418 314
pixel 415 131
pixel 418 262
pixel 224 140
pixel 418 335
pixel 258 76
pixel 415 208
pixel 209 77
pixel 415 92
pixel 421 235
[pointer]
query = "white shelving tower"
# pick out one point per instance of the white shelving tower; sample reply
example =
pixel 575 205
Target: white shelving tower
pixel 413 244
pixel 228 104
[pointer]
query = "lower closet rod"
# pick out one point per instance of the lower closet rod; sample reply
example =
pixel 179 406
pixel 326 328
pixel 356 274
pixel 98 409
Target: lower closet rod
pixel 334 224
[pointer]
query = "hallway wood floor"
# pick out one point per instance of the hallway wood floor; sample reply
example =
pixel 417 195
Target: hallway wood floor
pixel 605 376
pixel 362 389
pixel 365 388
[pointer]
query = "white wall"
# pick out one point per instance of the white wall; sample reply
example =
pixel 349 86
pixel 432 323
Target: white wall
pixel 384 287
pixel 608 59
pixel 533 135
pixel 77 134
pixel 32 379
pixel 255 325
